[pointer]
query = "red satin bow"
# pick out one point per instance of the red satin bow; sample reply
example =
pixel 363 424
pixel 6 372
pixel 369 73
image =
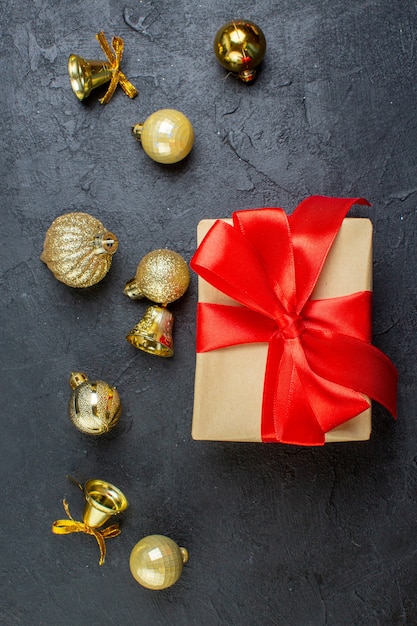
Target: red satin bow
pixel 320 362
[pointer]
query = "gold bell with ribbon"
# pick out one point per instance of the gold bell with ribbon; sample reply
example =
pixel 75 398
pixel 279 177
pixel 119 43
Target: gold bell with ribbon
pixel 240 46
pixel 85 75
pixel 161 276
pixel 102 501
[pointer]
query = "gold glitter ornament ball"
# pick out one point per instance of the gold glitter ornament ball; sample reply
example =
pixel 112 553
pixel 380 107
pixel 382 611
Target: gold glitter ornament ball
pixel 94 406
pixel 167 136
pixel 240 47
pixel 78 249
pixel 156 562
pixel 162 276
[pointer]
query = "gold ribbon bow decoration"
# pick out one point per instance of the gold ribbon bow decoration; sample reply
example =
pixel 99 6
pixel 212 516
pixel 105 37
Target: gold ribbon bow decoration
pixel 67 526
pixel 115 58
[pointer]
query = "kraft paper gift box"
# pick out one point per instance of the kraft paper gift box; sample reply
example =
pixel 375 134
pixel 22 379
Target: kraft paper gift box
pixel 229 381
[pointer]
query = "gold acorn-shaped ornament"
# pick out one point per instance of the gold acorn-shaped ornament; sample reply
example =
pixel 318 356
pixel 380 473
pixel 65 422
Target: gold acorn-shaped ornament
pixel 156 562
pixel 161 276
pixel 78 249
pixel 94 406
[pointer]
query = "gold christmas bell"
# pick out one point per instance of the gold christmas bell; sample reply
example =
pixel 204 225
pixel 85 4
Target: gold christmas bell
pixel 102 501
pixel 78 249
pixel 166 136
pixel 240 46
pixel 161 276
pixel 85 75
pixel 94 406
pixel 156 562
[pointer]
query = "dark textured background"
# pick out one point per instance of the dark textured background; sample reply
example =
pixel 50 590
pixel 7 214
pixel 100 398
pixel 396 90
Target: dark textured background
pixel 276 534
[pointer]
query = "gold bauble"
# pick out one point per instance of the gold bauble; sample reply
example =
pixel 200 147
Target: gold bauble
pixel 167 136
pixel 156 562
pixel 161 276
pixel 240 47
pixel 78 249
pixel 94 406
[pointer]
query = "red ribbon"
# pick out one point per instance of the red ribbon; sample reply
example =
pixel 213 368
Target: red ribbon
pixel 320 361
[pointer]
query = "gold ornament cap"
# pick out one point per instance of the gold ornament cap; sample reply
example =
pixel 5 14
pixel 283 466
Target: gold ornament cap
pixel 240 46
pixel 78 249
pixel 162 276
pixel 95 406
pixel 167 136
pixel 156 562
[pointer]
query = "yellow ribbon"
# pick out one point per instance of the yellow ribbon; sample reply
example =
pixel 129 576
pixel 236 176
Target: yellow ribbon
pixel 67 526
pixel 115 58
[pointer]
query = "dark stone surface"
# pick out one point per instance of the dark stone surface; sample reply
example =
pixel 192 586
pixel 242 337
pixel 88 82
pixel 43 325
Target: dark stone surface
pixel 276 534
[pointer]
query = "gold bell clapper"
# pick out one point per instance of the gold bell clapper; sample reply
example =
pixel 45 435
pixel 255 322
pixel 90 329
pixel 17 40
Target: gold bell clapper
pixel 94 407
pixel 162 276
pixel 78 249
pixel 102 501
pixel 167 136
pixel 85 75
pixel 156 562
pixel 240 46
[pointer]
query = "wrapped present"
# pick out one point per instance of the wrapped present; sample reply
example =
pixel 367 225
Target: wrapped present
pixel 284 349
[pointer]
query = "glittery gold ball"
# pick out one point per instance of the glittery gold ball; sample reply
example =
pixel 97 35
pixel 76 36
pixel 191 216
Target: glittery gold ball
pixel 163 276
pixel 94 406
pixel 167 136
pixel 156 562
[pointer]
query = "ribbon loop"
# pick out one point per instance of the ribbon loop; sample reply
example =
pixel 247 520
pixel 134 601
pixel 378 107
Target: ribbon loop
pixel 320 364
pixel 115 58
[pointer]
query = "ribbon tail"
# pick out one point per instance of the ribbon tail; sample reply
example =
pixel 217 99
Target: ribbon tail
pixel 105 46
pixel 355 364
pixel 129 89
pixel 101 544
pixel 286 414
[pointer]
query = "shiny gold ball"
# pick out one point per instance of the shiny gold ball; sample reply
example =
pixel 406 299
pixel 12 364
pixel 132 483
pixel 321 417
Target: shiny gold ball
pixel 78 249
pixel 162 276
pixel 94 406
pixel 167 136
pixel 240 47
pixel 156 562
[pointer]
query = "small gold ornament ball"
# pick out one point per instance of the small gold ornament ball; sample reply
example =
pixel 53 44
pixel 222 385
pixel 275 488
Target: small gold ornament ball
pixel 94 406
pixel 156 562
pixel 240 47
pixel 167 136
pixel 162 276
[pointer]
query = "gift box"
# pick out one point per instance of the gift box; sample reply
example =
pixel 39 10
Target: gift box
pixel 284 327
